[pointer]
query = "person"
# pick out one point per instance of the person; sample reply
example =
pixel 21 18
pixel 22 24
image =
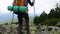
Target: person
pixel 23 15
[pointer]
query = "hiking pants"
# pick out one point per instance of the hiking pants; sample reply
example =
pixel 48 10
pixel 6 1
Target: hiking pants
pixel 20 19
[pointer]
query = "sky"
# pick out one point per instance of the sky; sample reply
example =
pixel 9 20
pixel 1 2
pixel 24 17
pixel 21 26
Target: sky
pixel 40 6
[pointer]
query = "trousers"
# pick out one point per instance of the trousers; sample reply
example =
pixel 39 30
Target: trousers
pixel 20 19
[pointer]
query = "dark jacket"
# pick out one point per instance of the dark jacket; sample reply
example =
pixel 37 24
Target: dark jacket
pixel 28 1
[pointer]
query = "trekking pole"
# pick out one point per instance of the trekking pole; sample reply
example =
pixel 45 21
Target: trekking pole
pixel 34 9
pixel 12 22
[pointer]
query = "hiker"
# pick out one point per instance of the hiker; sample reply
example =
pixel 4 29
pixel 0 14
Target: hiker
pixel 23 15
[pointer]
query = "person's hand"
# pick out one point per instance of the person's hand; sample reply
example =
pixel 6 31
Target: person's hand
pixel 33 0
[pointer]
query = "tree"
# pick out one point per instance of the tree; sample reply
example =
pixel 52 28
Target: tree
pixel 54 13
pixel 42 17
pixel 39 19
pixel 50 22
pixel 36 20
pixel 57 10
pixel 50 19
pixel 6 23
pixel 51 14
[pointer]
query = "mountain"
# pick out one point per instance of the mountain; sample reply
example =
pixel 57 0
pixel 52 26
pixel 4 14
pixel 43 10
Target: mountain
pixel 5 18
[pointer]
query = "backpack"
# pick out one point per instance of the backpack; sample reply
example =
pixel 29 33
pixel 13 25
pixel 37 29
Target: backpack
pixel 18 3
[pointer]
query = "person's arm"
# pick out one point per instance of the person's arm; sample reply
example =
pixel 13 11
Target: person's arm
pixel 31 3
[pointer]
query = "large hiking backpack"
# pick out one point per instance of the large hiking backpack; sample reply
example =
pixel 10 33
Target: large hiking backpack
pixel 18 6
pixel 18 3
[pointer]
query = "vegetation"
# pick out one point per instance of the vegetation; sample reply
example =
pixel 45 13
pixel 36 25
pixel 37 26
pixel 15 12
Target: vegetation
pixel 50 19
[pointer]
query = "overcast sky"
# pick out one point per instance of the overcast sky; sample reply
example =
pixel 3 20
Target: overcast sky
pixel 40 6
